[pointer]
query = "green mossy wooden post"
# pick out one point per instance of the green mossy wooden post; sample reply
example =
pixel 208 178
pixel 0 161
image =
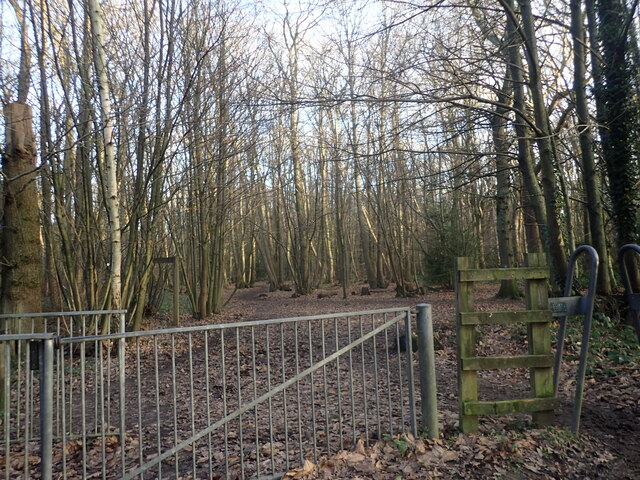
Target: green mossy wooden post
pixel 539 338
pixel 539 360
pixel 466 335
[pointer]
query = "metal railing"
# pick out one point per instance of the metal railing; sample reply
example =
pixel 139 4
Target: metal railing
pixel 241 400
pixel 35 389
pixel 570 306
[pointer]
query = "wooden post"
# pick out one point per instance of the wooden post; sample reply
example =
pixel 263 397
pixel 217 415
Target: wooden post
pixel 539 338
pixel 467 379
pixel 176 285
pixel 176 291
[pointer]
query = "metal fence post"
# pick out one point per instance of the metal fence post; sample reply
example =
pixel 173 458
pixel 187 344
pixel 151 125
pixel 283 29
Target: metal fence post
pixel 46 408
pixel 410 376
pixel 427 363
pixel 566 307
pixel 121 397
pixel 6 401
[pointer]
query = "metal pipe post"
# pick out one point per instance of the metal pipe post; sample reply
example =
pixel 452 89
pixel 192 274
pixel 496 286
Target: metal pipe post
pixel 410 377
pixel 6 403
pixel 121 397
pixel 427 362
pixel 46 408
pixel 584 306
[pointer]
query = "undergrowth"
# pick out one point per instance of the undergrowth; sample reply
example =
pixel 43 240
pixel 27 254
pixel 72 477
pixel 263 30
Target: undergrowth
pixel 612 346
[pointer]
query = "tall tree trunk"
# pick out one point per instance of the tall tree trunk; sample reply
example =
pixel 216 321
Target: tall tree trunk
pixel 112 199
pixel 618 113
pixel 141 252
pixel 534 196
pixel 222 155
pixel 302 245
pixel 546 148
pixel 505 211
pixel 504 192
pixel 81 256
pixel 363 226
pixel 326 246
pixel 343 254
pixel 590 173
pixel 46 142
pixel 21 249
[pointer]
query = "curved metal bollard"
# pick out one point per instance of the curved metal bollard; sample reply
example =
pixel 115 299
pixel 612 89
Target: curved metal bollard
pixel 563 307
pixel 633 298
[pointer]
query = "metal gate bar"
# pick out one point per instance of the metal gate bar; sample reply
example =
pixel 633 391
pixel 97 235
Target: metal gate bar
pixel 564 307
pixel 21 355
pixel 39 350
pixel 269 395
pixel 242 399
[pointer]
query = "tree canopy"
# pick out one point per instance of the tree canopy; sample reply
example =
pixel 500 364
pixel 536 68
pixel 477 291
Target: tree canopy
pixel 312 142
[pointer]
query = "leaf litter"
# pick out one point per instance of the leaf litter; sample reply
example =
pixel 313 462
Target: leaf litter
pixel 507 447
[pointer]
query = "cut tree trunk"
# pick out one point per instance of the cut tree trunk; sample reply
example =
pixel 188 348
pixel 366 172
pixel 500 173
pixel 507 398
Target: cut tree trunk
pixel 21 245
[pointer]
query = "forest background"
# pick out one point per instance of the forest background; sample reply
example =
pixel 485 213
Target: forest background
pixel 312 143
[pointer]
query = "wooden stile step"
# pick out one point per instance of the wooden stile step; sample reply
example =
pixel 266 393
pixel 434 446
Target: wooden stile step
pixel 494 318
pixel 476 407
pixel 498 363
pixel 499 274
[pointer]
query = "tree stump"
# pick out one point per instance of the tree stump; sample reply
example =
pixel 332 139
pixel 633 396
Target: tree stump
pixel 21 245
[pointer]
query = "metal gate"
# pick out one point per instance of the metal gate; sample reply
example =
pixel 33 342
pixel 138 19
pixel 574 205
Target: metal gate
pixel 241 400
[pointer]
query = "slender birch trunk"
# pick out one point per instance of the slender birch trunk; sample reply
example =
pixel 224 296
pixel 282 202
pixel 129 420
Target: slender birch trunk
pixel 112 199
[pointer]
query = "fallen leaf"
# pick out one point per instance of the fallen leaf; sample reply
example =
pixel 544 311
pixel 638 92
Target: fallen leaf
pixel 450 456
pixel 351 458
pixel 306 469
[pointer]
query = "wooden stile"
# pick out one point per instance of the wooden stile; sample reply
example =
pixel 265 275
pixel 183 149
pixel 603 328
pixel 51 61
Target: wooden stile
pixel 539 360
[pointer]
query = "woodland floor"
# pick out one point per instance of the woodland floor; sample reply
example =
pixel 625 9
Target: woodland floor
pixel 507 447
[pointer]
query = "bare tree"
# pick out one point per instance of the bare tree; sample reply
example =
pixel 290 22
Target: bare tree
pixel 111 182
pixel 590 173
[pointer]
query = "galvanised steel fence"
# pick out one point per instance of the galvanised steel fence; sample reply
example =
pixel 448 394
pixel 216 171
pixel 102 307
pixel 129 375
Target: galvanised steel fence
pixel 240 400
pixel 40 387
